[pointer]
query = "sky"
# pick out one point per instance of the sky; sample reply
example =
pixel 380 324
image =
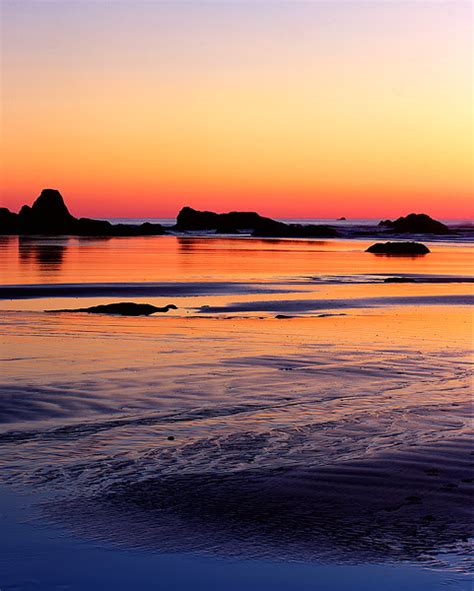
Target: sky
pixel 288 108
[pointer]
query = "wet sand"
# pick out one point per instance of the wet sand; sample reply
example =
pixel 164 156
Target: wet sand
pixel 221 432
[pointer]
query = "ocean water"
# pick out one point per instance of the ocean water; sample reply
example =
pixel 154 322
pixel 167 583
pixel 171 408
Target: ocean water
pixel 298 422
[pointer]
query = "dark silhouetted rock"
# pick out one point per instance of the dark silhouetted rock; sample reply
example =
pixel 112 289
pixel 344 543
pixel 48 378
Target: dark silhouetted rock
pixel 191 220
pixel 399 280
pixel 50 207
pixel 50 215
pixel 9 223
pixel 398 248
pixel 122 309
pixel 415 223
pixel 341 219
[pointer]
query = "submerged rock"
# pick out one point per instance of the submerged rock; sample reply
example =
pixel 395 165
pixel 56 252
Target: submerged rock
pixel 398 248
pixel 415 223
pixel 122 309
pixel 50 215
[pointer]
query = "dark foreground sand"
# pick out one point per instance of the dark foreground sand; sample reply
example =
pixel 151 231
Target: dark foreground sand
pixel 410 504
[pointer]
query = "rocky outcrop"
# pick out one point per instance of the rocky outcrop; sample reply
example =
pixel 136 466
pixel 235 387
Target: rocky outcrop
pixel 8 221
pixel 234 222
pixel 415 223
pixel 192 220
pixel 122 309
pixel 50 215
pixel 398 248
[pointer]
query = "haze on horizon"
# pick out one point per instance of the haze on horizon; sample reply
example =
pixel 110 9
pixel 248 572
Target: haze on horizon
pixel 293 109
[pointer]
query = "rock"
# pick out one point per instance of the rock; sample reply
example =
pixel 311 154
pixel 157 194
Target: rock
pixel 122 309
pixel 341 219
pixel 50 215
pixel 190 220
pixel 415 223
pixel 50 206
pixel 399 280
pixel 9 223
pixel 398 248
pixel 283 317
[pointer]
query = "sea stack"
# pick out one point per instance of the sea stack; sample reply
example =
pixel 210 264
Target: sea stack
pixel 49 215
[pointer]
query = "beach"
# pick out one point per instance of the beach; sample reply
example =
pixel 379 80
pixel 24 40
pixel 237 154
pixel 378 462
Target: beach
pixel 304 411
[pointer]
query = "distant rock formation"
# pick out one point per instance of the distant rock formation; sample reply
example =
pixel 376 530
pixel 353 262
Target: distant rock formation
pixel 415 223
pixel 122 309
pixel 50 215
pixel 192 220
pixel 341 219
pixel 398 248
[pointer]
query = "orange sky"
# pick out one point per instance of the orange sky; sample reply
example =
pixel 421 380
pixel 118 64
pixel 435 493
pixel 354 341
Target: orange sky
pixel 293 109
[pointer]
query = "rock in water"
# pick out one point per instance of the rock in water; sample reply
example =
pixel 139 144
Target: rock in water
pixel 398 248
pixel 50 215
pixel 47 215
pixel 50 205
pixel 399 280
pixel 191 220
pixel 415 223
pixel 122 309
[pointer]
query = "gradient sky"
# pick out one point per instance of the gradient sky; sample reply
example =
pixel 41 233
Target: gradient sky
pixel 293 109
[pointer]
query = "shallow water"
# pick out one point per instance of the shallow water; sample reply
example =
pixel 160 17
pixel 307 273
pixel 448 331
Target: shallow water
pixel 338 435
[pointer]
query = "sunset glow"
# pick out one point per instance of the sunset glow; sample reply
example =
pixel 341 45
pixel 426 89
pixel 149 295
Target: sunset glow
pixel 320 109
